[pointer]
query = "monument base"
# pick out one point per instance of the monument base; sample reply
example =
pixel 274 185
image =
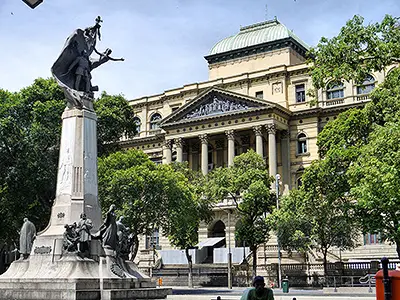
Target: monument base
pixel 79 289
pixel 74 278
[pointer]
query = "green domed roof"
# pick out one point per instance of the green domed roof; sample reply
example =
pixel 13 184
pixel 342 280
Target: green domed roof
pixel 256 34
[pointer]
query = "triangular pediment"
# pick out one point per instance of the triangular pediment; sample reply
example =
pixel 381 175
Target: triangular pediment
pixel 215 102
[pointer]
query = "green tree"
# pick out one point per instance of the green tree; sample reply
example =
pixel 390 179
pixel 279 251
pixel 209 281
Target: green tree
pixel 247 183
pixel 291 223
pixel 321 212
pixel 115 120
pixel 356 51
pixel 375 178
pixel 30 129
pixel 149 196
pixel 29 144
pixel 352 140
pixel 185 218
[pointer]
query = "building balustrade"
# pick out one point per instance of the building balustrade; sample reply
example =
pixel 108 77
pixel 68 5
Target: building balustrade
pixel 346 100
pixel 362 97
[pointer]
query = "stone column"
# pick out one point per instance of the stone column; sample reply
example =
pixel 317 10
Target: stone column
pixel 76 190
pixel 179 149
pixel 167 153
pixel 285 141
pixel 259 140
pixel 204 153
pixel 231 146
pixel 271 129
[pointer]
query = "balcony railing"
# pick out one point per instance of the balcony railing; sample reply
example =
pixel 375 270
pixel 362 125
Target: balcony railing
pixel 334 102
pixel 346 100
pixel 362 97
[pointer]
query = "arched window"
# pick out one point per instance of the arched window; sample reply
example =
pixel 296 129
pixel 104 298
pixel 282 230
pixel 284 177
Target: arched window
pixel 155 121
pixel 301 143
pixel 298 181
pixel 217 230
pixel 366 86
pixel 390 71
pixel 138 124
pixel 299 175
pixel 335 90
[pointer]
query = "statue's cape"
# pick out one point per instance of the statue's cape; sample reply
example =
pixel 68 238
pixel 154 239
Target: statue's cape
pixel 72 49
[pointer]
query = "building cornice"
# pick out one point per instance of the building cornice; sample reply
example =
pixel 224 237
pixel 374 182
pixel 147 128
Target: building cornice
pixel 256 49
pixel 143 140
pixel 199 87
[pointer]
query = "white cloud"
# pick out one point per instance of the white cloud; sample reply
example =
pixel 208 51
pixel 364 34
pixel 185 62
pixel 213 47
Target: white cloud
pixel 162 41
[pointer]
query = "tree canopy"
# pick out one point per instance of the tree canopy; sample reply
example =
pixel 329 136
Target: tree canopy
pixel 30 130
pixel 375 181
pixel 247 183
pixel 355 181
pixel 185 218
pixel 357 50
pixel 150 196
pixel 115 121
pixel 358 148
pixel 29 144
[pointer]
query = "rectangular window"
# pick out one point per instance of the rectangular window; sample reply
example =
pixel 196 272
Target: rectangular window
pixel 335 94
pixel 260 94
pixel 153 241
pixel 300 93
pixel 372 239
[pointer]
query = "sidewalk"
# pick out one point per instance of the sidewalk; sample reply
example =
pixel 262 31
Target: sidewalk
pixel 201 293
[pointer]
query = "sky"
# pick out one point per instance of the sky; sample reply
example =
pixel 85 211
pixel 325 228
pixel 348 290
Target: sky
pixel 163 41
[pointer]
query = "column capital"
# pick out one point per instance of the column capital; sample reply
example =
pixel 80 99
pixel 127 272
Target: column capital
pixel 271 128
pixel 178 142
pixel 203 138
pixel 257 130
pixel 167 144
pixel 230 134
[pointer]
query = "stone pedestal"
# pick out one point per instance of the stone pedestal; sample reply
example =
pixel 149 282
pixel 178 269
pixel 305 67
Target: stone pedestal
pixel 49 273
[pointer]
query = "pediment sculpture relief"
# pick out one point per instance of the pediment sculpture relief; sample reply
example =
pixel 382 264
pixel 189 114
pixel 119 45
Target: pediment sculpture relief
pixel 217 106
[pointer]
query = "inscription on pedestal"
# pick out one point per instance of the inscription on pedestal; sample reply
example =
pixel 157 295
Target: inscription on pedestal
pixel 42 250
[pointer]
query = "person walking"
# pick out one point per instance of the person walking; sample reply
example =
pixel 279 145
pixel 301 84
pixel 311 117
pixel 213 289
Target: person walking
pixel 260 292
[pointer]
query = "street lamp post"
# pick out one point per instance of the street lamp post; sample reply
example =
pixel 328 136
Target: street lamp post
pixel 229 252
pixel 32 3
pixel 277 179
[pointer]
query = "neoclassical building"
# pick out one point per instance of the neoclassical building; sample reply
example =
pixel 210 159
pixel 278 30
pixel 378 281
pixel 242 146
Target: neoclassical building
pixel 255 98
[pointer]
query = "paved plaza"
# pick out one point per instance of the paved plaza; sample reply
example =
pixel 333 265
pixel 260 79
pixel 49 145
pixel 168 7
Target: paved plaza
pixel 180 293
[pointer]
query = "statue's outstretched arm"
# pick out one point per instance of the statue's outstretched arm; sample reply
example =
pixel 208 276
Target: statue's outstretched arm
pixel 116 59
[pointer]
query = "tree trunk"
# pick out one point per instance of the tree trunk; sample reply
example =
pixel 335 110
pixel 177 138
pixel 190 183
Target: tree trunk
pixel 190 264
pixel 135 247
pixel 253 250
pixel 325 252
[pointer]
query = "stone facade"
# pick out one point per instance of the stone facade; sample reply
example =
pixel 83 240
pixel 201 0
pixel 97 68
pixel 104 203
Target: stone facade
pixel 255 98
